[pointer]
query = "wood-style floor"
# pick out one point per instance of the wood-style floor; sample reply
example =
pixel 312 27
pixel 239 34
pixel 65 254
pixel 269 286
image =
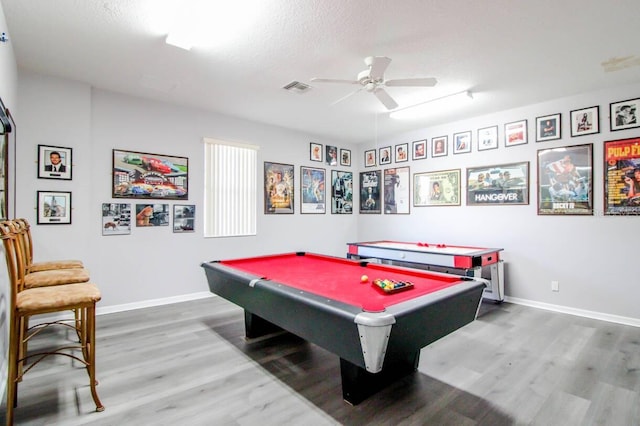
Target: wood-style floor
pixel 189 364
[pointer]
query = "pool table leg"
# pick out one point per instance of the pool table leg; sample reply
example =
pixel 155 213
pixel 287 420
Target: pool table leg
pixel 358 384
pixel 255 326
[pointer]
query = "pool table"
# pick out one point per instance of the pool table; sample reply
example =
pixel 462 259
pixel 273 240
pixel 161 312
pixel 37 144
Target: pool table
pixel 376 333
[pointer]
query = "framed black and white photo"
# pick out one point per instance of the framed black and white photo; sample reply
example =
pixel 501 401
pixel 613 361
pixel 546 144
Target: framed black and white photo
pixel 624 114
pixel 402 153
pixel 462 142
pixel 515 133
pixel 385 155
pixel 370 158
pixel 488 138
pixel 548 127
pixel 54 162
pixel 585 121
pixel 54 208
pixel 439 146
pixel 184 218
pixel 315 152
pixel 345 157
pixel 419 150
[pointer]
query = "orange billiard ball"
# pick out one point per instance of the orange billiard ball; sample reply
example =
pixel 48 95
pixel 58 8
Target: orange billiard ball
pixel 364 278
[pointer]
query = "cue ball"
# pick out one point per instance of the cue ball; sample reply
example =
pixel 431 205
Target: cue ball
pixel 364 278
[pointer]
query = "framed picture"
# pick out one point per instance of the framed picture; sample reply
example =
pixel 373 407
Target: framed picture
pixel 331 155
pixel 54 208
pixel 548 127
pixel 585 121
pixel 54 162
pixel 565 180
pixel 153 176
pixel 419 150
pixel 278 188
pixel 385 155
pixel 396 190
pixel 488 138
pixel 370 158
pixel 152 215
pixel 345 157
pixel 516 133
pixel 402 152
pixel 462 142
pixel 624 114
pixel 116 219
pixel 622 177
pixel 501 184
pixel 441 188
pixel 184 218
pixel 370 183
pixel 315 152
pixel 439 146
pixel 312 190
pixel 341 192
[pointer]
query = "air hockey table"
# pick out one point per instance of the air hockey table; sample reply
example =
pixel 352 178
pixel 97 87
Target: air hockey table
pixel 474 262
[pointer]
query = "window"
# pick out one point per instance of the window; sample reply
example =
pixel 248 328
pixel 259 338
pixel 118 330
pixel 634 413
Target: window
pixel 230 188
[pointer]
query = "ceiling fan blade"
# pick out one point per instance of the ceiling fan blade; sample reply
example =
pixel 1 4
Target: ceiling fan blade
pixel 347 96
pixel 378 66
pixel 412 82
pixel 384 97
pixel 333 80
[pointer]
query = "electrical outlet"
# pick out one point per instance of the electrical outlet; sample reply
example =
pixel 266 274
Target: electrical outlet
pixel 555 286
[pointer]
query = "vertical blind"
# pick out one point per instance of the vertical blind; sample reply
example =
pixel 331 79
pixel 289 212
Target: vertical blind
pixel 230 197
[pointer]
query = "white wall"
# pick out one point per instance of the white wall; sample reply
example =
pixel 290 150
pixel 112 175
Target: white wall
pixel 591 257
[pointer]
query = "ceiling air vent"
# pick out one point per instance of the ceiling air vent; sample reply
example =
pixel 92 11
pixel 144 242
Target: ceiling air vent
pixel 297 87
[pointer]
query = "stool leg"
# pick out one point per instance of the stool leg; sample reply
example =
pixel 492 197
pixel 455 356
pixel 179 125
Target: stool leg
pixel 90 335
pixel 15 345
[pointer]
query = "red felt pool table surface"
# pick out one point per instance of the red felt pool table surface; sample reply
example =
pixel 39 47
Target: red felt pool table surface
pixel 340 279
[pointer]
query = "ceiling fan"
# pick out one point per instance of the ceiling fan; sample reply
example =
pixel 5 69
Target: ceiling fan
pixel 372 80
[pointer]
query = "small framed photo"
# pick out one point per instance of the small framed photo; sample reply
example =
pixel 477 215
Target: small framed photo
pixel 315 152
pixel 439 146
pixel 385 155
pixel 548 127
pixel 54 208
pixel 515 133
pixel 54 162
pixel 184 218
pixel 152 214
pixel 419 150
pixel 462 142
pixel 624 114
pixel 488 138
pixel 331 155
pixel 312 190
pixel 402 152
pixel 116 219
pixel 585 121
pixel 345 157
pixel 370 158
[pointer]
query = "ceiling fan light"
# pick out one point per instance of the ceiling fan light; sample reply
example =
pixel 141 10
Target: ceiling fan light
pixel 432 106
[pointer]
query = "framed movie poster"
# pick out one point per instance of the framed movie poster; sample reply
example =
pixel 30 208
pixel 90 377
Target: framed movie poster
pixel 515 133
pixel 278 188
pixel 370 158
pixel 152 214
pixel 54 208
pixel 184 218
pixel 622 177
pixel 54 162
pixel 497 185
pixel 312 190
pixel 116 219
pixel 151 176
pixel 370 183
pixel 441 188
pixel 488 138
pixel 462 142
pixel 396 190
pixel 585 121
pixel 624 114
pixel 341 192
pixel 548 127
pixel 565 180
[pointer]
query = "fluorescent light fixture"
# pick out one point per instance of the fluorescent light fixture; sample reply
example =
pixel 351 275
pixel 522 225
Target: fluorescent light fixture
pixel 432 106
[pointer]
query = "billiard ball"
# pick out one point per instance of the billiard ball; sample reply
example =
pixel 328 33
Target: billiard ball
pixel 364 278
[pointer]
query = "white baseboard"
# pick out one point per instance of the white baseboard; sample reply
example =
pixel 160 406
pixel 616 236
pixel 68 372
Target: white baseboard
pixel 153 302
pixel 635 322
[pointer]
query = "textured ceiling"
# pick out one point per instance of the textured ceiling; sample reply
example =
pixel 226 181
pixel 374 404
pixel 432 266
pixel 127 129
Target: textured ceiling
pixel 508 53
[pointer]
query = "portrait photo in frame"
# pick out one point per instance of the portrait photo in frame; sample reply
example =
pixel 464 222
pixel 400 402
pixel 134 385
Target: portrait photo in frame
pixel 419 150
pixel 184 218
pixel 370 194
pixel 54 207
pixel 516 133
pixel 402 153
pixel 548 127
pixel 498 184
pixel 315 152
pixel 488 138
pixel 624 114
pixel 312 190
pixel 565 180
pixel 341 192
pixel 278 188
pixel 384 155
pixel 440 188
pixel 462 142
pixel 585 121
pixel 54 162
pixel 345 157
pixel 439 146
pixel 370 158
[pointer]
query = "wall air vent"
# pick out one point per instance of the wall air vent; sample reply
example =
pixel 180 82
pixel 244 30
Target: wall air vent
pixel 297 87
